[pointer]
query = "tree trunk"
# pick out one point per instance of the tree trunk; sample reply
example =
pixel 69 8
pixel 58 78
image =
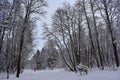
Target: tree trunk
pixel 109 25
pixel 93 51
pixel 20 52
pixel 96 34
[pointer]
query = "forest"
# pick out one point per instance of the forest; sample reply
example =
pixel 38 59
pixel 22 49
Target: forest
pixel 86 32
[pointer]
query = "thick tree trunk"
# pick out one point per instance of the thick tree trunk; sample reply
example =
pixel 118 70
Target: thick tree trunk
pixel 109 25
pixel 96 34
pixel 93 51
pixel 20 53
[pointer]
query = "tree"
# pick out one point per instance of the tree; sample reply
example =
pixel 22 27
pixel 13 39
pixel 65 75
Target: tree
pixel 31 7
pixel 16 32
pixel 82 33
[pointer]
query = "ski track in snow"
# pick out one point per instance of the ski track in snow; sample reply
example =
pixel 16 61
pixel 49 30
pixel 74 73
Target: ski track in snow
pixel 61 74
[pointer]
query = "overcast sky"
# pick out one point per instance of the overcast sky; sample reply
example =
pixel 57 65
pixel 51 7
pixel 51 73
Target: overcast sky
pixel 52 6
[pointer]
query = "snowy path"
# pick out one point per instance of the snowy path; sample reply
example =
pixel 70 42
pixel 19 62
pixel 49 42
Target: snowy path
pixel 60 74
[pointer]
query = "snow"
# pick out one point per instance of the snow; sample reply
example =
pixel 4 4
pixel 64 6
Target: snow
pixel 61 74
pixel 2 76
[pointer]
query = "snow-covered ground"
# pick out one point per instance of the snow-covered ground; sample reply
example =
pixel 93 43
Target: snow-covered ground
pixel 61 74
